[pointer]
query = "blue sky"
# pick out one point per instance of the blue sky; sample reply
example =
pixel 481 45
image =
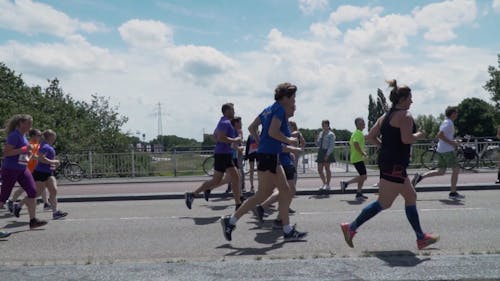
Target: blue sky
pixel 192 56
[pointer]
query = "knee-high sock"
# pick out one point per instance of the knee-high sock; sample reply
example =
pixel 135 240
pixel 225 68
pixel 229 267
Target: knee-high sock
pixel 412 215
pixel 368 212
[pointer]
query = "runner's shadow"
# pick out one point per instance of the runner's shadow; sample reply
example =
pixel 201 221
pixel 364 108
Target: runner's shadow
pixel 203 221
pixel 319 196
pixel 222 198
pixel 354 202
pixel 250 251
pixel 452 202
pixel 399 258
pixel 14 224
pixel 218 207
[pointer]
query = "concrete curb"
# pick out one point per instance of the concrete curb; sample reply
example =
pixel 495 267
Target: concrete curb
pixel 304 192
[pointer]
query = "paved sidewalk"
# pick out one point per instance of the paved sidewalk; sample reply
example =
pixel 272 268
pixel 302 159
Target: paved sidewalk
pixel 152 188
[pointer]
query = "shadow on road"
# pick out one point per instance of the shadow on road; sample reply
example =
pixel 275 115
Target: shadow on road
pixel 14 224
pixel 399 258
pixel 319 196
pixel 354 202
pixel 250 251
pixel 203 221
pixel 452 202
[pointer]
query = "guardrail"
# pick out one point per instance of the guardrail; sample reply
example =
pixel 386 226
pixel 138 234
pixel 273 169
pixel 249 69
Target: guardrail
pixel 182 161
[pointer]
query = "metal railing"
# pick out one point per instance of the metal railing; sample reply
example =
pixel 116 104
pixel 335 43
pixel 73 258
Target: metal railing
pixel 183 162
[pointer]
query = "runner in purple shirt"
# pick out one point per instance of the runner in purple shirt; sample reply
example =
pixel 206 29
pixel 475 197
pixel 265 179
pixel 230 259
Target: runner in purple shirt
pixel 14 167
pixel 225 135
pixel 44 172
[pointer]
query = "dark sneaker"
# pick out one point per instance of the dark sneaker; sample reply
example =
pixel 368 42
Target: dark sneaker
pixel 17 210
pixel 47 206
pixel 294 235
pixel 34 223
pixel 291 211
pixel 206 194
pixel 429 239
pixel 237 206
pixel 258 211
pixel 348 233
pixel 228 189
pixel 343 186
pixel 456 196
pixel 277 224
pixel 10 206
pixel 416 179
pixel 58 214
pixel 188 196
pixel 227 228
pixel 242 198
pixel 4 234
pixel 360 196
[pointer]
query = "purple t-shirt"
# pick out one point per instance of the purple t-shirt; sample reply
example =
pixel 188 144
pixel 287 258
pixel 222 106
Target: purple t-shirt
pixel 17 140
pixel 50 153
pixel 224 126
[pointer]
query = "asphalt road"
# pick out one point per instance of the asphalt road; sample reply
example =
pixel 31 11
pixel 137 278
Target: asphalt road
pixel 163 240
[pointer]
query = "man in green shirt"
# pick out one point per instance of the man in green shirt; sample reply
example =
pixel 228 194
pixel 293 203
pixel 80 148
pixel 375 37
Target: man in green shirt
pixel 357 146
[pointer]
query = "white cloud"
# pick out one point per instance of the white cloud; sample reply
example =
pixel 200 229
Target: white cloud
pixel 335 73
pixel 496 6
pixel 440 19
pixel 31 17
pixel 146 34
pixel 309 6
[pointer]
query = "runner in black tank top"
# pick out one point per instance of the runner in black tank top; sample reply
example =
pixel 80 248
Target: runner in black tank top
pixel 398 132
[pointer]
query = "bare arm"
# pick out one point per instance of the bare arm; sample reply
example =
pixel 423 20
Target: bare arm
pixel 275 133
pixel 406 127
pixel 222 137
pixel 9 150
pixel 254 129
pixel 43 159
pixel 374 133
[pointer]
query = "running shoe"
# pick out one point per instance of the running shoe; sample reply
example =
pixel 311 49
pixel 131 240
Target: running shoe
pixel 294 235
pixel 17 210
pixel 4 234
pixel 429 239
pixel 360 196
pixel 189 198
pixel 258 211
pixel 327 187
pixel 227 228
pixel 416 179
pixel 237 206
pixel 348 233
pixel 291 211
pixel 47 206
pixel 343 186
pixel 206 194
pixel 58 214
pixel 277 224
pixel 456 196
pixel 321 188
pixel 34 223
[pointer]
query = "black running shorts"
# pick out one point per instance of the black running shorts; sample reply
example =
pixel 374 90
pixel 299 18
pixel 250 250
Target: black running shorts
pixel 41 176
pixel 360 167
pixel 267 162
pixel 222 161
pixel 393 172
pixel 290 172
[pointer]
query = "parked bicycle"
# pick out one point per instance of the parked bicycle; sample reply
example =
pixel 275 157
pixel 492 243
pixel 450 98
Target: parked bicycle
pixel 467 156
pixel 208 166
pixel 70 170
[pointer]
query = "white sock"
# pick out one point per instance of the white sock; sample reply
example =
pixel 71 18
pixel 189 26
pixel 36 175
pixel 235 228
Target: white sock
pixel 287 228
pixel 233 220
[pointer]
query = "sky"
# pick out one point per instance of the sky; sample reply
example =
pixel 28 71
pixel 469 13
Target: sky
pixel 191 56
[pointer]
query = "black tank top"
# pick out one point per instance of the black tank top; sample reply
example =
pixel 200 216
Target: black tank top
pixel 393 151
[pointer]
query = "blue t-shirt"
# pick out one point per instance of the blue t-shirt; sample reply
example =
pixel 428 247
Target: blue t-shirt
pixel 17 140
pixel 50 153
pixel 268 144
pixel 225 126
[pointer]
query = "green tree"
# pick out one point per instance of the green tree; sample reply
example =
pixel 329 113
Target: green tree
pixel 475 117
pixel 429 124
pixel 376 108
pixel 493 85
pixel 169 142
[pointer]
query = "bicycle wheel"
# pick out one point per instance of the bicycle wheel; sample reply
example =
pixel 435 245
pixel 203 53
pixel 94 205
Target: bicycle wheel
pixel 430 159
pixel 208 165
pixel 73 172
pixel 467 163
pixel 489 158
